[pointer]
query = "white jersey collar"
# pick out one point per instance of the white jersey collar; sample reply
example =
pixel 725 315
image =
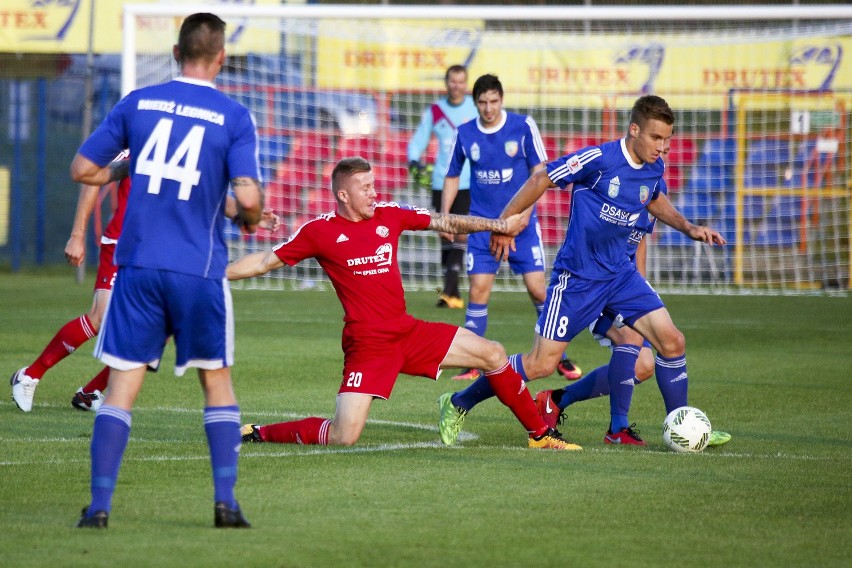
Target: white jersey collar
pixel 627 157
pixel 192 81
pixel 494 129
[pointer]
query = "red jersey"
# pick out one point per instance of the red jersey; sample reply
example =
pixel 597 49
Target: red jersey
pixel 113 230
pixel 359 258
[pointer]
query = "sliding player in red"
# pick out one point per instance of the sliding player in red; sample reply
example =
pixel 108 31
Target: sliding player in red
pixel 356 245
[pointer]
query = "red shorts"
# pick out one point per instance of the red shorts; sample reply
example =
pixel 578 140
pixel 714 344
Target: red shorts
pixel 106 269
pixel 374 355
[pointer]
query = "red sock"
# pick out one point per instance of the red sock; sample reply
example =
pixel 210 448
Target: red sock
pixel 72 335
pixel 309 431
pixel 512 391
pixel 98 383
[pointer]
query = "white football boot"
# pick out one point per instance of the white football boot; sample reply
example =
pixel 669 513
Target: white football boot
pixel 23 389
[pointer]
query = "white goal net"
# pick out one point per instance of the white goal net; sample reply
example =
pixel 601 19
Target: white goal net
pixel 762 98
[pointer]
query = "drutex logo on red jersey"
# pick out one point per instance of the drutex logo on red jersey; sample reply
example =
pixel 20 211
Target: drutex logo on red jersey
pixel 378 263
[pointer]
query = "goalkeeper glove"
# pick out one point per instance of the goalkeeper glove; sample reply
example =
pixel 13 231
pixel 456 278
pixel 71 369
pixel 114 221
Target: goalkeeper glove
pixel 421 176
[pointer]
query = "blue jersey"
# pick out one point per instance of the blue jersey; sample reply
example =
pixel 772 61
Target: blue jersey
pixel 644 226
pixel 442 119
pixel 187 141
pixel 609 196
pixel 500 161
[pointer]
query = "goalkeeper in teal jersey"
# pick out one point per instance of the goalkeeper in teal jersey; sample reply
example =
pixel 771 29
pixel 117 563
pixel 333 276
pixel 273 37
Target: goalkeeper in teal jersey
pixel 442 118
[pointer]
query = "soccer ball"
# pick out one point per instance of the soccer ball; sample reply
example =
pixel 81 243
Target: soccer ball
pixel 686 429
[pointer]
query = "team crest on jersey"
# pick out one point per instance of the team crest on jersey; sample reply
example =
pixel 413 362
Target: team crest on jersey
pixel 644 192
pixel 511 147
pixel 382 231
pixel 614 187
pixel 474 152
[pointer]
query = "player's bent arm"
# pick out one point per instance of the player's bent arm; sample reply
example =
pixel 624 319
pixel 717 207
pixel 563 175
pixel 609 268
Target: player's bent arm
pixel 664 211
pixel 255 264
pixel 75 248
pixel 463 224
pixel 529 193
pixel 84 170
pixel 249 201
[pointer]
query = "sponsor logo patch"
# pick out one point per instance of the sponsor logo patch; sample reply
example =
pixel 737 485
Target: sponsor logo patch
pixel 574 164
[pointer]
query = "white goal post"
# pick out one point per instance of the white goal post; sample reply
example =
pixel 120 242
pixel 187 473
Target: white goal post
pixel 762 97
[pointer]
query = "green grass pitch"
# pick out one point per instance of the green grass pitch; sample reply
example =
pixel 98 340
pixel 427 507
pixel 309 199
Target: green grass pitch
pixel 772 371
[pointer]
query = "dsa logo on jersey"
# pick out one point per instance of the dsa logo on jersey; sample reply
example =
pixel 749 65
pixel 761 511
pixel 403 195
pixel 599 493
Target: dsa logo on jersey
pixel 618 216
pixel 474 152
pixel 644 192
pixel 511 147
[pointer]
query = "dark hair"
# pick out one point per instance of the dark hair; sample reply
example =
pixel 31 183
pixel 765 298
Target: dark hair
pixel 201 37
pixel 347 167
pixel 651 107
pixel 487 83
pixel 454 69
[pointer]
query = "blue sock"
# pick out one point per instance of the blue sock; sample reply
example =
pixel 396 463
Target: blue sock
pixel 476 318
pixel 672 380
pixel 621 377
pixel 481 390
pixel 517 362
pixel 222 425
pixel 109 439
pixel 592 385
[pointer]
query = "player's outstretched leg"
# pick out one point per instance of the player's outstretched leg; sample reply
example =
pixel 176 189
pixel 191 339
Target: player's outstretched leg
pixel 71 336
pixel 308 431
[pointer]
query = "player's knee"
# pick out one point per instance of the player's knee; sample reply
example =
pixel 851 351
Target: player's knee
pixel 95 317
pixel 673 344
pixel 342 436
pixel 495 355
pixel 645 365
pixel 538 294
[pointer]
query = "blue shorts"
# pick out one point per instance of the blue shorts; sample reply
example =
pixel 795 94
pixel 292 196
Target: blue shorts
pixel 600 327
pixel 147 306
pixel 529 256
pixel 573 303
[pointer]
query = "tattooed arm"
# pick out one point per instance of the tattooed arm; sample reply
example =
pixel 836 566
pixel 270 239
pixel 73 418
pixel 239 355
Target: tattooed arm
pixel 463 224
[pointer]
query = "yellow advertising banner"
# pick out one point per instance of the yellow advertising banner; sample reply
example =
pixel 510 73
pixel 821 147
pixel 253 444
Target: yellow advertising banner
pixel 62 26
pixel 548 70
pixel 399 55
